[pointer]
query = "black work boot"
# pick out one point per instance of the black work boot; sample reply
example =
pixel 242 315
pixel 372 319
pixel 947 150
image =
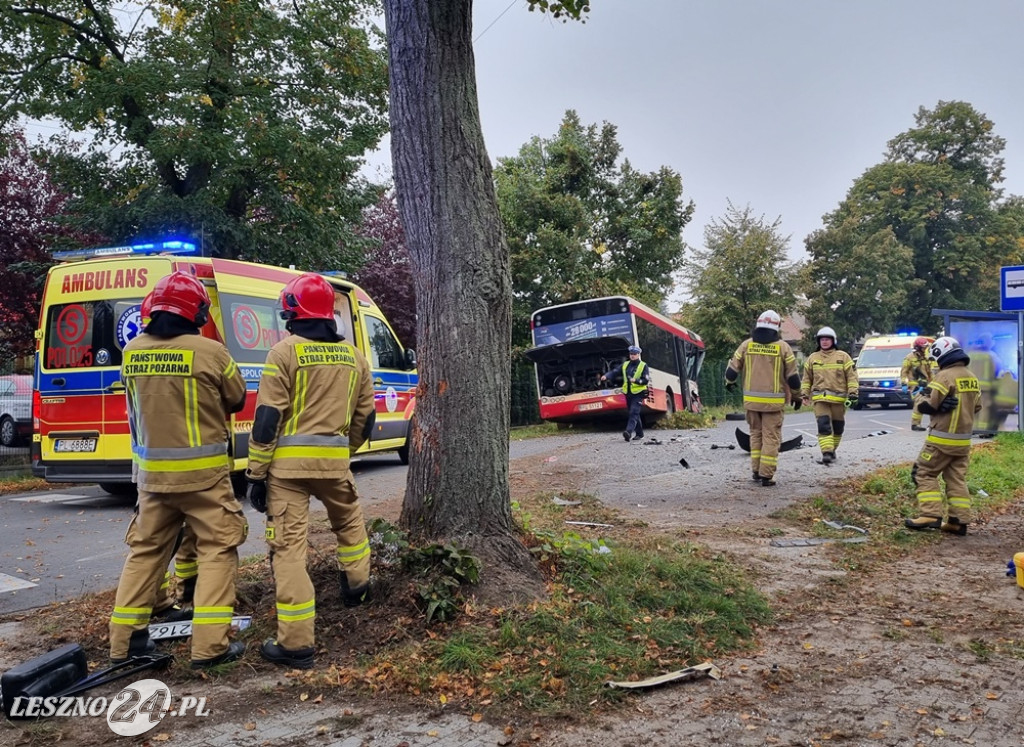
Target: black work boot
pixel 233 653
pixel 953 525
pixel 353 597
pixel 828 457
pixel 171 614
pixel 767 482
pixel 625 435
pixel 140 644
pixel 757 477
pixel 188 589
pixel 923 522
pixel 297 658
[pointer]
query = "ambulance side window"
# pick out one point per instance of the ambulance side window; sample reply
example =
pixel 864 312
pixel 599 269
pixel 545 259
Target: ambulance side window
pixel 252 326
pixel 385 352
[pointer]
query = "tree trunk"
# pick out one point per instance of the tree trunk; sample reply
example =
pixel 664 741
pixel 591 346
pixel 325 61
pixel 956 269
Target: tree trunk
pixel 458 475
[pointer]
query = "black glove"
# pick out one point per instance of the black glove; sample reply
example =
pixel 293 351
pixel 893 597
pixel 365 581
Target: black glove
pixel 257 495
pixel 797 402
pixel 949 403
pixel 730 386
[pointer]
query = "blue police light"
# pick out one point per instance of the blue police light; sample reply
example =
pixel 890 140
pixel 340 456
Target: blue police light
pixel 160 247
pixel 908 332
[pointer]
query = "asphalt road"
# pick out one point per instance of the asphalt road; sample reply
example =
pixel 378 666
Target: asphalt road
pixel 62 543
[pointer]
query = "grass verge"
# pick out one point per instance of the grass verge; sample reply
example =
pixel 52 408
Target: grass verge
pixel 882 500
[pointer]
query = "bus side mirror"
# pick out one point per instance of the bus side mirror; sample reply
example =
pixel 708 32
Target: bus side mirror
pixel 410 359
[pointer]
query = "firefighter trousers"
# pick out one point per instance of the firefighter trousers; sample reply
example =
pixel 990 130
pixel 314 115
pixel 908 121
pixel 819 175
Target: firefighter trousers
pixel 287 525
pixel 216 518
pixel 831 421
pixel 933 462
pixel 765 440
pixel 186 566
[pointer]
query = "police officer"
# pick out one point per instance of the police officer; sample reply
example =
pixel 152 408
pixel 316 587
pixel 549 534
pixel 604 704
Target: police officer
pixel 952 399
pixel 180 387
pixel 633 375
pixel 917 370
pixel 314 409
pixel 830 382
pixel 768 367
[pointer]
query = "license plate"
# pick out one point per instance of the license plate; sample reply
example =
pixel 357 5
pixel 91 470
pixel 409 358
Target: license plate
pixel 75 444
pixel 879 395
pixel 183 629
pixel 591 406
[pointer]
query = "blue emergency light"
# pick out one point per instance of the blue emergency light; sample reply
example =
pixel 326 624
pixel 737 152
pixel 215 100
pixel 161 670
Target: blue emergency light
pixel 160 247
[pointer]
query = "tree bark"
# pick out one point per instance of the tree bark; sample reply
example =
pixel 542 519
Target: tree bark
pixel 458 475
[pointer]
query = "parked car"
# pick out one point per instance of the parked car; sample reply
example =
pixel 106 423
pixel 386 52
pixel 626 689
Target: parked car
pixel 15 410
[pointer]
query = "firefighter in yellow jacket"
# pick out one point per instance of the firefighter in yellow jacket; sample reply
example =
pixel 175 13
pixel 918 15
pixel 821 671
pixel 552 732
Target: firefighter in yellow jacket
pixel 953 398
pixel 768 366
pixel 917 370
pixel 180 387
pixel 314 409
pixel 830 382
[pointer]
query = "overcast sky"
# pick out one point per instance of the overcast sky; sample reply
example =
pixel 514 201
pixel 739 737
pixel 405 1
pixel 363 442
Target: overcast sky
pixel 777 103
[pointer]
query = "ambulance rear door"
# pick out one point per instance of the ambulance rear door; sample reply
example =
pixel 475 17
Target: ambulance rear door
pixel 90 311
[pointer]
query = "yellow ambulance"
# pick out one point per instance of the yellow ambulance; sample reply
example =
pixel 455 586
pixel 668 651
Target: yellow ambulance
pixel 878 370
pixel 91 308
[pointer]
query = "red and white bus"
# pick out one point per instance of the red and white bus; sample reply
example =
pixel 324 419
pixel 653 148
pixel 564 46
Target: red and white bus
pixel 574 343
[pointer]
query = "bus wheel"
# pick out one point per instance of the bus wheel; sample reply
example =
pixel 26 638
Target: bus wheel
pixel 120 489
pixel 670 403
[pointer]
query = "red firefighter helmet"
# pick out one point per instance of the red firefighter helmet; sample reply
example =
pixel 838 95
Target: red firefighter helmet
pixel 308 296
pixel 147 309
pixel 182 294
pixel 922 343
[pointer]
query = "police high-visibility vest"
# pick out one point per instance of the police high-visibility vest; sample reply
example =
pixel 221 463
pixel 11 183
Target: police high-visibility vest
pixel 628 384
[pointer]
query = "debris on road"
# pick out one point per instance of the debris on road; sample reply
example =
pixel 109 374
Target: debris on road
pixel 682 461
pixel 793 443
pixel 690 673
pixel 562 502
pixel 837 525
pixel 811 541
pixel 590 524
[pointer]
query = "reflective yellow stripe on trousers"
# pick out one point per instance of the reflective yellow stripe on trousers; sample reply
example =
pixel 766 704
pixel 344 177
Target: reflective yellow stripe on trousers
pixel 131 615
pixel 296 612
pixel 212 615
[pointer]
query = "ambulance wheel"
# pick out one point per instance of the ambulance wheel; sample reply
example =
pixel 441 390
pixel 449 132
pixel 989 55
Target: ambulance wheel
pixel 120 489
pixel 403 451
pixel 8 433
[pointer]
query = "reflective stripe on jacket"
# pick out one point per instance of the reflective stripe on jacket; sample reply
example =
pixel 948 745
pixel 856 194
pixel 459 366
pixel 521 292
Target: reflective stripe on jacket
pixel 765 367
pixel 632 385
pixel 829 376
pixel 950 432
pixel 179 390
pixel 323 392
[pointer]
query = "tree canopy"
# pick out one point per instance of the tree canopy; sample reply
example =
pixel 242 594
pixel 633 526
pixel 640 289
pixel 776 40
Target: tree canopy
pixel 742 270
pixel 240 124
pixel 581 224
pixel 29 208
pixel 387 273
pixel 926 228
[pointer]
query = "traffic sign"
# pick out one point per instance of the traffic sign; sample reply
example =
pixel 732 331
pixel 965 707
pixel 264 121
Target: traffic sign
pixel 1011 294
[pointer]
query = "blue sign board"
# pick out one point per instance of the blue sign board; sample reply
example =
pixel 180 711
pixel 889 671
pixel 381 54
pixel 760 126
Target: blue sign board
pixel 1011 294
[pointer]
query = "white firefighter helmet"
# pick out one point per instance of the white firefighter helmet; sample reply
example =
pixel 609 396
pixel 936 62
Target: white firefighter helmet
pixel 769 320
pixel 826 332
pixel 947 350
